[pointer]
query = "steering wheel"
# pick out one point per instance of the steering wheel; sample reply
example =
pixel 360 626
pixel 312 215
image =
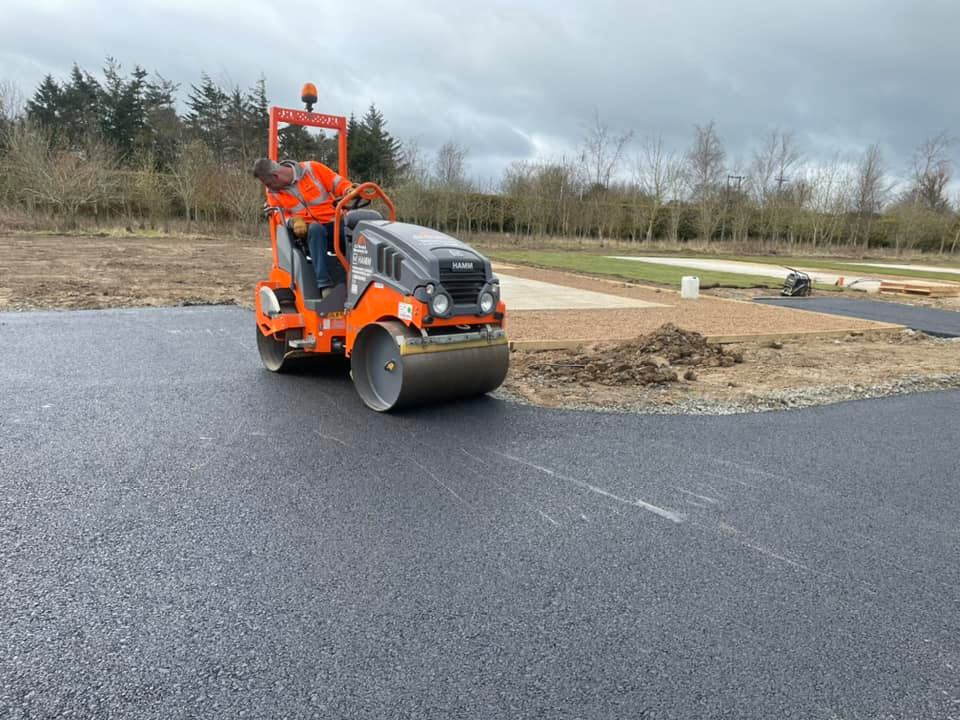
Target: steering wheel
pixel 357 203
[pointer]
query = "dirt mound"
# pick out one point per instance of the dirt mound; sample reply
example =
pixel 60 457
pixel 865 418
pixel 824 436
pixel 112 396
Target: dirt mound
pixel 645 360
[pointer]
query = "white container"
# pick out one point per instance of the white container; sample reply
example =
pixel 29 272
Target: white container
pixel 690 287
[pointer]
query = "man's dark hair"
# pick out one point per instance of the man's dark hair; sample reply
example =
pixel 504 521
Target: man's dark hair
pixel 264 168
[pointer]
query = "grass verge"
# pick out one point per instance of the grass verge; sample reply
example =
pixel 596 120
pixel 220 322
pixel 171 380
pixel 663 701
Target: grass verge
pixel 630 269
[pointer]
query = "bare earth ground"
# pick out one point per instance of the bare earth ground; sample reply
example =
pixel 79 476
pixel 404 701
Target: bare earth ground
pixel 771 375
pixel 73 272
pixel 81 272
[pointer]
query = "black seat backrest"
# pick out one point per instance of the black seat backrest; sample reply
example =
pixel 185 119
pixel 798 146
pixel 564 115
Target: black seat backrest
pixel 304 276
pixel 354 216
pixel 290 257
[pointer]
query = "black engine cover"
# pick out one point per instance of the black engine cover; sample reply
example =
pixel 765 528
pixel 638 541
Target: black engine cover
pixel 407 257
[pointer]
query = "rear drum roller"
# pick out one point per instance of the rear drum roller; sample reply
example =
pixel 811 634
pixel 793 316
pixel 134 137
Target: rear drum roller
pixel 273 351
pixel 388 380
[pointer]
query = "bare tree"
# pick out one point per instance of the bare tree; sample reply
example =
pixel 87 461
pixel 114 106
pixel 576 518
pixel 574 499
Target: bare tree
pixel 829 199
pixel 657 171
pixel 602 151
pixel 956 235
pixel 240 193
pixel 450 166
pixel 66 181
pixel 871 193
pixel 705 167
pixel 932 171
pixel 187 175
pixel 150 193
pixel 773 164
pixel 11 101
pixel 736 203
pixel 412 165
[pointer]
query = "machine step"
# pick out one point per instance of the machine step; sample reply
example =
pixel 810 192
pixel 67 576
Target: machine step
pixel 303 343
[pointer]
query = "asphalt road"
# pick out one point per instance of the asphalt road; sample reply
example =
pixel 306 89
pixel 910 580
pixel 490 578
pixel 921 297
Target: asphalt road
pixel 184 535
pixel 942 323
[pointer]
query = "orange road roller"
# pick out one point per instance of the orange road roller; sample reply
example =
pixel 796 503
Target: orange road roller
pixel 417 312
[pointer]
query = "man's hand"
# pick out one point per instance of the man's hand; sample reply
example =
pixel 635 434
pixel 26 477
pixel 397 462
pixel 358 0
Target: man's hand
pixel 269 209
pixel 300 227
pixel 353 186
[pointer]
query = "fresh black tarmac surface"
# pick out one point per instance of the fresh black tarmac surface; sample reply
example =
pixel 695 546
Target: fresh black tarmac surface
pixel 185 535
pixel 942 323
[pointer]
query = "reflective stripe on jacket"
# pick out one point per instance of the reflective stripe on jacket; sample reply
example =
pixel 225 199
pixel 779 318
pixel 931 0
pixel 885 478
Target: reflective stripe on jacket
pixel 311 193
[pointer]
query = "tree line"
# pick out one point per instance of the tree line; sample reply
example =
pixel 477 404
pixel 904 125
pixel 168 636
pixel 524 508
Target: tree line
pixel 117 146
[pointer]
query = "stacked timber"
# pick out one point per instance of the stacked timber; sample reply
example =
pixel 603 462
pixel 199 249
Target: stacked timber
pixel 919 288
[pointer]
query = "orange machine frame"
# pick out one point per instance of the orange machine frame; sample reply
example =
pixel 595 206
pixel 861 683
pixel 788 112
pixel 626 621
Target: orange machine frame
pixel 379 303
pixel 305 118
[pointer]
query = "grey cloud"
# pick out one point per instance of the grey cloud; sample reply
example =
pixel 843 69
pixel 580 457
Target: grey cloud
pixel 496 75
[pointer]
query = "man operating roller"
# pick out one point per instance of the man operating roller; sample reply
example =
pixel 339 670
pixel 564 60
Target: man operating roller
pixel 304 193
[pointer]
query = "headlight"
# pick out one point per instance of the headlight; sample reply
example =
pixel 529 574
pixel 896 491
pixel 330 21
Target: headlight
pixel 486 302
pixel 431 289
pixel 440 304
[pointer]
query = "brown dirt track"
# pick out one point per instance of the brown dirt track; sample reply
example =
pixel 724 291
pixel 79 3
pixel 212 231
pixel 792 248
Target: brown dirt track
pixel 83 272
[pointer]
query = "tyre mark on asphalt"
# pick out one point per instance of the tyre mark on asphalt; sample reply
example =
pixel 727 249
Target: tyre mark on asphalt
pixel 504 487
pixel 705 498
pixel 331 437
pixel 670 515
pixel 441 483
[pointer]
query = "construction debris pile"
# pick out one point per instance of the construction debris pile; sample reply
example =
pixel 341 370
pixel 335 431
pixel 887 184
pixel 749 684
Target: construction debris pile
pixel 663 356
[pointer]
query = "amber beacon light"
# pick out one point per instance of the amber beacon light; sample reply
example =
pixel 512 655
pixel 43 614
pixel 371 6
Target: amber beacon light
pixel 309 95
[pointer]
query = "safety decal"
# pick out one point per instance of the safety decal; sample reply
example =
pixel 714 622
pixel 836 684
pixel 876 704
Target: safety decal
pixel 405 311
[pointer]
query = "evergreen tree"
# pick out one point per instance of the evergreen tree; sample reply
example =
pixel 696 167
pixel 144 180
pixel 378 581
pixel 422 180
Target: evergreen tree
pixel 238 133
pixel 162 131
pixel 44 107
pixel 374 154
pixel 80 107
pixel 123 108
pixel 206 120
pixel 298 143
pixel 259 119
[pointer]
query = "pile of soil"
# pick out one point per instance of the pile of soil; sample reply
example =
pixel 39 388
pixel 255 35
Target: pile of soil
pixel 660 357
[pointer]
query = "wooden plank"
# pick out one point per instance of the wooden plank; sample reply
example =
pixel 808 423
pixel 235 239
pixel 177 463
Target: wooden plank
pixel 914 288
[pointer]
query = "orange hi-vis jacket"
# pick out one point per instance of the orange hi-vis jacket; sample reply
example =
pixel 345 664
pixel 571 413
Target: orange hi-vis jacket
pixel 311 193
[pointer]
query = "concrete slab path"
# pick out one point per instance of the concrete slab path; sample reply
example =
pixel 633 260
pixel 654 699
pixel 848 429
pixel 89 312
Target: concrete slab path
pixel 742 268
pixel 523 294
pixel 920 268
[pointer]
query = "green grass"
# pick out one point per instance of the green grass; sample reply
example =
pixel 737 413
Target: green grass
pixel 595 263
pixel 630 269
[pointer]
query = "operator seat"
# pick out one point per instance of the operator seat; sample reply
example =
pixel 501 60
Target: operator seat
pixel 353 217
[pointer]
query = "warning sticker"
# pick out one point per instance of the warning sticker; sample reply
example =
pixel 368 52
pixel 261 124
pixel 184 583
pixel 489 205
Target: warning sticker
pixel 361 266
pixel 405 311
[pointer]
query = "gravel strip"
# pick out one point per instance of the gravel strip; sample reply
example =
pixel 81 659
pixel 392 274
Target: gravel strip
pixel 774 400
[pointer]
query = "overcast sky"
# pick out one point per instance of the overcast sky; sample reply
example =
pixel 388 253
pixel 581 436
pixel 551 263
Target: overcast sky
pixel 519 80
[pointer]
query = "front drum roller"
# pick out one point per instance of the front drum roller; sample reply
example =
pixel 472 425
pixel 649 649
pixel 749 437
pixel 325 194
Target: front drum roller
pixel 389 378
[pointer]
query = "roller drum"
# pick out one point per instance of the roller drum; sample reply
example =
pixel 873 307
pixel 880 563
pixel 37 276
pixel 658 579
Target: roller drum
pixel 389 377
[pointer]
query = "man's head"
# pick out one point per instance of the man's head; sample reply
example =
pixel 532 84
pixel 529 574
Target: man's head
pixel 271 174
